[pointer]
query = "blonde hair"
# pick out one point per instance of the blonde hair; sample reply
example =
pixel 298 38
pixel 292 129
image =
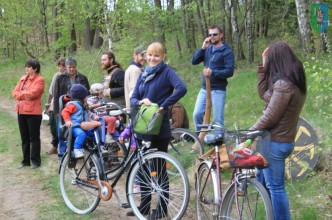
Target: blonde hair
pixel 157 48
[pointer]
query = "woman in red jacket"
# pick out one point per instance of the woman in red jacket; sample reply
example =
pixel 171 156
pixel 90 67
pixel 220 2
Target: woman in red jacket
pixel 27 93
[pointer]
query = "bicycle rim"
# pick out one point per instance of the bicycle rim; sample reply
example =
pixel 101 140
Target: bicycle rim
pixel 79 195
pixel 114 158
pixel 185 147
pixel 206 194
pixel 165 194
pixel 249 201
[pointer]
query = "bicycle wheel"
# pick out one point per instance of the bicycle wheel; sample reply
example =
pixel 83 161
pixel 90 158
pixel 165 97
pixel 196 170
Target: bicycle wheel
pixel 151 190
pixel 181 148
pixel 206 193
pixel 80 195
pixel 249 201
pixel 114 158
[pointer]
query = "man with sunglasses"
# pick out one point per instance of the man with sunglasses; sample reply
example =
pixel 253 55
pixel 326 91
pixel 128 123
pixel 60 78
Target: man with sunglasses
pixel 219 63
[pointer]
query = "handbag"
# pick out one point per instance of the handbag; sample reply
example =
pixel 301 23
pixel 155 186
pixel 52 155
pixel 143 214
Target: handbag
pixel 147 120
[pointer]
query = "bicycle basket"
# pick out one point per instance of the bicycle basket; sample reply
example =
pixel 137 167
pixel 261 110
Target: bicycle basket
pixel 247 149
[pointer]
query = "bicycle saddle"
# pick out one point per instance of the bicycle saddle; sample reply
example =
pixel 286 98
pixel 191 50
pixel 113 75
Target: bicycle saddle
pixel 213 139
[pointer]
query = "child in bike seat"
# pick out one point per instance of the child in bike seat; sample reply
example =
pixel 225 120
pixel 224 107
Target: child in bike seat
pixel 94 101
pixel 74 114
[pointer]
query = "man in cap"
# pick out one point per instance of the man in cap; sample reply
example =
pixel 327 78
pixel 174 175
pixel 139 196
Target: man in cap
pixel 133 71
pixel 62 85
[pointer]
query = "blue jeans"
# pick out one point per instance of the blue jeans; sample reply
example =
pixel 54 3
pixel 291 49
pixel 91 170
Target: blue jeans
pixel 218 98
pixel 274 177
pixel 80 135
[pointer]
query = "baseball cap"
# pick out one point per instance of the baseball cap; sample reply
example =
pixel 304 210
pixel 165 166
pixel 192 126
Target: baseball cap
pixel 140 50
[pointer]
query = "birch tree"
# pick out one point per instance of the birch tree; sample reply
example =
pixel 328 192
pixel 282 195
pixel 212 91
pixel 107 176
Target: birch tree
pixel 304 26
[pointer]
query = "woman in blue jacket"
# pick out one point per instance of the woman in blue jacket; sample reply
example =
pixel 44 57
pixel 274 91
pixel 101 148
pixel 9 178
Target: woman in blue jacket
pixel 159 84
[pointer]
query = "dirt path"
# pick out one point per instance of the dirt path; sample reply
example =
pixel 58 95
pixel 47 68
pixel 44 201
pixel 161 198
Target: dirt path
pixel 22 191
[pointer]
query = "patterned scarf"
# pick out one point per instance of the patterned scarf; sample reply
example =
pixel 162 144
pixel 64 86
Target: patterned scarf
pixel 150 72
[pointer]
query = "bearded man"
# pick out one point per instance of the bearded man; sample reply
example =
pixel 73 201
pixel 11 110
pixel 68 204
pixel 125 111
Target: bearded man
pixel 113 80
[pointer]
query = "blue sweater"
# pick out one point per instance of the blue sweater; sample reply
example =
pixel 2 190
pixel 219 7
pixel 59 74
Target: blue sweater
pixel 165 89
pixel 220 60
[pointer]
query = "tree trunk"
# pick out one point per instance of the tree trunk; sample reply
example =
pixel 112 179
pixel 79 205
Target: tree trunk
pixel 249 30
pixel 73 46
pixel 97 40
pixel 56 34
pixel 43 8
pixel 87 34
pixel 108 25
pixel 236 35
pixel 304 26
pixel 201 29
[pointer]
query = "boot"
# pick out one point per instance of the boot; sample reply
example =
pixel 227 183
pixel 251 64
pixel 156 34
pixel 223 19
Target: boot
pixel 54 150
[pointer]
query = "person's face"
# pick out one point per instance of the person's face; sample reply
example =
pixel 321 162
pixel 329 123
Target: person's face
pixel 215 36
pixel 71 69
pixel 105 62
pixel 154 58
pixel 140 59
pixel 29 70
pixel 61 68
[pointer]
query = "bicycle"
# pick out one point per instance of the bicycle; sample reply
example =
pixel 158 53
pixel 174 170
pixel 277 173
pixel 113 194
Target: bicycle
pixel 84 182
pixel 245 198
pixel 181 149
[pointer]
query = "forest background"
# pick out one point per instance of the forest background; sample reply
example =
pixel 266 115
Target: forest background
pixel 49 29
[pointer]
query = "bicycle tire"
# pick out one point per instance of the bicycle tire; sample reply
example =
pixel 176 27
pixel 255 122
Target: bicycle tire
pixel 153 182
pixel 114 158
pixel 80 198
pixel 206 193
pixel 180 148
pixel 253 201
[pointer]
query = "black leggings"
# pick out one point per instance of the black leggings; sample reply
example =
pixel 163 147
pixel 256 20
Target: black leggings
pixel 157 166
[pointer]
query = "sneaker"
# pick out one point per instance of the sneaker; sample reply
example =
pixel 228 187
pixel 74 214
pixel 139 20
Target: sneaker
pixel 79 153
pixel 109 138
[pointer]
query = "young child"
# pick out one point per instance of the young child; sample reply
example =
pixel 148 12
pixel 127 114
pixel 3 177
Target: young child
pixel 74 114
pixel 125 136
pixel 94 101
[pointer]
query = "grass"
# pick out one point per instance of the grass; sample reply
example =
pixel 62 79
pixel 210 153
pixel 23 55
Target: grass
pixel 309 197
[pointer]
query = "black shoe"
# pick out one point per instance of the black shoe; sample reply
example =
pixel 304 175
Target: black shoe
pixel 131 213
pixel 157 215
pixel 22 165
pixel 34 166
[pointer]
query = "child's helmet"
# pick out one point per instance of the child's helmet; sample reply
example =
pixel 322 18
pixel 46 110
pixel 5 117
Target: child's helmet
pixel 96 88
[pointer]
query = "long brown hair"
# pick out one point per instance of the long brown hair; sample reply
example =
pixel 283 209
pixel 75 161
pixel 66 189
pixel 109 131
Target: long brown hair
pixel 112 56
pixel 282 63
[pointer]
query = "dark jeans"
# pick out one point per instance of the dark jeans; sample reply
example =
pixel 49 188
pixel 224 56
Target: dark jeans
pixel 159 166
pixel 54 129
pixel 29 126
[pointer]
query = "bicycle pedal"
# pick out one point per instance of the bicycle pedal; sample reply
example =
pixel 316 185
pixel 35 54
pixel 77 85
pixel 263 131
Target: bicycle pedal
pixel 125 205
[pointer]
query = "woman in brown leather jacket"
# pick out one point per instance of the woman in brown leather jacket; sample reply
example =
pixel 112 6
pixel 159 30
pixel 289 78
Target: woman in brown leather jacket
pixel 282 86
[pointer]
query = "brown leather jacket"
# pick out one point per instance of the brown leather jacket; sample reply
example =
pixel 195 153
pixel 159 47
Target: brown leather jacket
pixel 283 106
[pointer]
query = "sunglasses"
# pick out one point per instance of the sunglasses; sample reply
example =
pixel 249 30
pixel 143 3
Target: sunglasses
pixel 213 35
